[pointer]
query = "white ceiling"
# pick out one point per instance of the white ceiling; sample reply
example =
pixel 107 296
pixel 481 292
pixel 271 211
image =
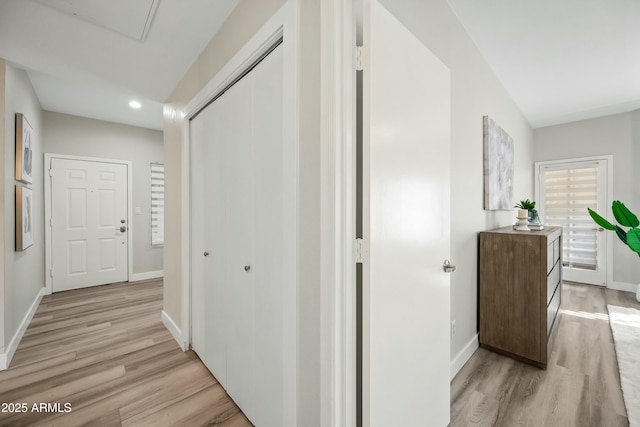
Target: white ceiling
pixel 561 60
pixel 91 57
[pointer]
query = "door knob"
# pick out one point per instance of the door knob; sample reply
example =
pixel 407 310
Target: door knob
pixel 206 253
pixel 247 267
pixel 448 267
pixel 122 229
pixel 599 229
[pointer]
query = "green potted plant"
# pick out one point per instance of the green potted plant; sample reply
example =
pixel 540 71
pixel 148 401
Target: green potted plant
pixel 626 218
pixel 531 207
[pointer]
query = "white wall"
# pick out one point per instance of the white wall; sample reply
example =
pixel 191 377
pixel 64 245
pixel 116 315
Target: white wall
pixel 23 271
pixel 618 135
pixel 79 136
pixel 475 92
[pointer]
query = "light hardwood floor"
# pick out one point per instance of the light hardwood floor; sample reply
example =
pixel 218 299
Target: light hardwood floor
pixel 105 351
pixel 581 386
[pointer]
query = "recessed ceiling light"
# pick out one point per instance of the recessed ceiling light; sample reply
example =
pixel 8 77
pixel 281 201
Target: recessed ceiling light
pixel 135 104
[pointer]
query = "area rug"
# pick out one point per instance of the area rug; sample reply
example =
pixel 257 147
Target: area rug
pixel 625 326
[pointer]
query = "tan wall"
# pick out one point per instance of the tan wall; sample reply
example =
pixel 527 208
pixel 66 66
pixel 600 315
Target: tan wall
pixel 3 66
pixel 23 271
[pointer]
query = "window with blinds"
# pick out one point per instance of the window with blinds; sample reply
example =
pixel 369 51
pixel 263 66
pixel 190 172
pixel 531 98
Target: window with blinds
pixel 568 193
pixel 157 204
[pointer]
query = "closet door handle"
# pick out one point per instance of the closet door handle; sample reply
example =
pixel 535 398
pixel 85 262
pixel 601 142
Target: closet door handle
pixel 247 268
pixel 206 253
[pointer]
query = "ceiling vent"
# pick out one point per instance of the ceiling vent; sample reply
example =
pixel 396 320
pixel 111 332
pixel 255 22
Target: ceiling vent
pixel 131 18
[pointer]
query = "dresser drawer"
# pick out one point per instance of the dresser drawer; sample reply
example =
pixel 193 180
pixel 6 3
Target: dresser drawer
pixel 552 281
pixel 552 309
pixel 553 254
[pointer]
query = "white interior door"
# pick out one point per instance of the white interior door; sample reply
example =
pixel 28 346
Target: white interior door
pixel 237 220
pixel 565 189
pixel 406 338
pixel 89 226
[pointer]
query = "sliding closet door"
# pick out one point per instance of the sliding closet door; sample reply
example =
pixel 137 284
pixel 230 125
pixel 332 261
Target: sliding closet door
pixel 237 221
pixel 208 268
pixel 268 263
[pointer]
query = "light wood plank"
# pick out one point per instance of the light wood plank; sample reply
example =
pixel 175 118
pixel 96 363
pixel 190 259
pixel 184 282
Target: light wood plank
pixel 105 351
pixel 580 387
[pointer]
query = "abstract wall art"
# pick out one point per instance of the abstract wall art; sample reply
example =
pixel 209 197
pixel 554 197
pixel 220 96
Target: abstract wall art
pixel 24 217
pixel 498 167
pixel 24 150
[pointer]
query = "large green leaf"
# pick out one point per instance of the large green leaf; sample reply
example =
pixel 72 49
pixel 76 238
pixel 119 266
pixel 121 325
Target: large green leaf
pixel 601 221
pixel 621 234
pixel 623 215
pixel 633 239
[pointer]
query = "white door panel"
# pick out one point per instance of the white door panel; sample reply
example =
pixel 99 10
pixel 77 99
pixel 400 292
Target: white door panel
pixel 565 189
pixel 237 216
pixel 88 203
pixel 407 91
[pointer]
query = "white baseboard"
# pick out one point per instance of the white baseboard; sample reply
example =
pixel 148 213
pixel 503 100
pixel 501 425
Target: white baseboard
pixel 175 331
pixel 623 286
pixel 465 354
pixel 147 275
pixel 5 358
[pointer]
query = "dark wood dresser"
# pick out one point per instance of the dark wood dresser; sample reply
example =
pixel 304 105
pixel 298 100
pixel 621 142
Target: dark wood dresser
pixel 520 291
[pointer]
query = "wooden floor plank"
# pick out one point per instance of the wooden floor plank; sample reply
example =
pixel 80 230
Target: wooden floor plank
pixel 580 387
pixel 105 351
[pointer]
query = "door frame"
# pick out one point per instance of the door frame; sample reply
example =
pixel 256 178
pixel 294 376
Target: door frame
pixel 48 206
pixel 608 159
pixel 283 25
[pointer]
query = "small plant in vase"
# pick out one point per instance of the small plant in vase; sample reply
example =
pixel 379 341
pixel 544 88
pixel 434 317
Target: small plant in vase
pixel 531 207
pixel 625 218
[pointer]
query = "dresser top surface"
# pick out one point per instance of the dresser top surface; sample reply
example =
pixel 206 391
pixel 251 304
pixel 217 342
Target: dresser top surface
pixel 548 231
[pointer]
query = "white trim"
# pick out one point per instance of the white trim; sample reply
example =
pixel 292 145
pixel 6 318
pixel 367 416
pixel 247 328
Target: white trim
pixel 5 358
pixel 283 24
pixel 463 357
pixel 622 286
pixel 338 170
pixel 608 158
pixel 168 322
pixel 48 203
pixel 148 275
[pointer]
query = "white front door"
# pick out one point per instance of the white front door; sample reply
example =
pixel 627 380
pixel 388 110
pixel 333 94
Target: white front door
pixel 406 342
pixel 565 189
pixel 89 226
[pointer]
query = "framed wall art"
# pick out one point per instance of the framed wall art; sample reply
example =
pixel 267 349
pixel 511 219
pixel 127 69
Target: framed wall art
pixel 24 150
pixel 498 167
pixel 24 217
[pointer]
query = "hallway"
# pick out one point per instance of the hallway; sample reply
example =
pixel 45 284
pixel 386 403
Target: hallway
pixel 104 353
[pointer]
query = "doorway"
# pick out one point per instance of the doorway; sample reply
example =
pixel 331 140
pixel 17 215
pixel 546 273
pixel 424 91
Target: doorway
pixel 565 189
pixel 87 211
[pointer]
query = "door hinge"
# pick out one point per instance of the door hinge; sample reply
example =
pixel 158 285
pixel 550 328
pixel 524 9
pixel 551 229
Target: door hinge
pixel 51 272
pixel 50 172
pixel 360 252
pixel 361 60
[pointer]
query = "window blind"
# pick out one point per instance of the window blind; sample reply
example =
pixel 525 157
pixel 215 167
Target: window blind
pixel 157 204
pixel 568 193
